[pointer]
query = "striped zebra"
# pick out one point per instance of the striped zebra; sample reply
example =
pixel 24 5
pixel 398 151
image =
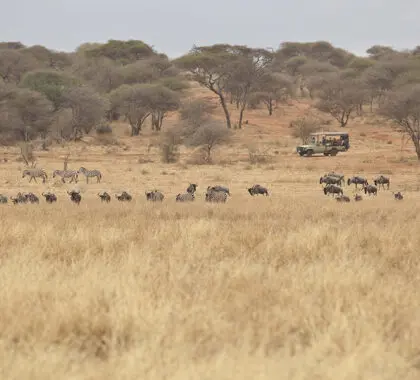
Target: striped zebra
pixel 66 174
pixel 216 196
pixel 35 173
pixel 186 197
pixel 90 173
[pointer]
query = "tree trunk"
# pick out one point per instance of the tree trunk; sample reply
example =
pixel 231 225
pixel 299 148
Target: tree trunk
pixel 135 129
pixel 241 115
pixel 225 110
pixel 270 107
pixel 416 142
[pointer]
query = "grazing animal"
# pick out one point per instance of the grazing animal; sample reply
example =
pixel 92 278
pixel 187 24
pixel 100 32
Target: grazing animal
pixel 216 196
pixel 105 197
pixel 336 175
pixel 330 180
pixel 219 188
pixel 75 196
pixel 90 174
pixel 357 181
pixel 332 189
pixel 73 174
pixel 358 197
pixel 192 188
pixel 50 197
pixel 258 189
pixel 186 197
pixel 124 197
pixel 31 198
pixel 34 174
pixel 155 196
pixel 398 196
pixel 3 198
pixel 370 189
pixel 20 198
pixel 343 198
pixel 382 181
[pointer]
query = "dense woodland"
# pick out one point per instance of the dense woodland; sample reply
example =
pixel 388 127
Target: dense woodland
pixel 58 96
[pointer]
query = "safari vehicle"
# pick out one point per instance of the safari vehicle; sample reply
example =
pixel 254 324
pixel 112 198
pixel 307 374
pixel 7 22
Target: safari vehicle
pixel 326 143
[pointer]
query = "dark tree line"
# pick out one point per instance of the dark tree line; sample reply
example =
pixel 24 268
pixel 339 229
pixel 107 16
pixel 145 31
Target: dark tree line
pixel 66 95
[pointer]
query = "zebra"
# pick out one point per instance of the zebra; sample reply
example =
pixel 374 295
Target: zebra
pixel 3 198
pixel 73 174
pixel 50 197
pixel 216 196
pixel 90 173
pixel 34 173
pixel 219 188
pixel 105 197
pixel 75 196
pixel 154 196
pixel 186 197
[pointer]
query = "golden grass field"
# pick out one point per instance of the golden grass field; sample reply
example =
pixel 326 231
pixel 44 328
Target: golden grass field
pixel 292 286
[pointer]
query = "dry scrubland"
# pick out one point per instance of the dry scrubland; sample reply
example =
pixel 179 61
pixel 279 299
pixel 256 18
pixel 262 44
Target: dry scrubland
pixel 294 286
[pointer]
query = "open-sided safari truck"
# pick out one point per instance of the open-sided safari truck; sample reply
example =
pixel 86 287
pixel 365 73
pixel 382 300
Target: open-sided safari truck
pixel 326 143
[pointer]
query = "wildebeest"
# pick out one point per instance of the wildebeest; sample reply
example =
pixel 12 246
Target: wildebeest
pixel 186 197
pixel 357 181
pixel 216 196
pixel 358 197
pixel 343 198
pixel 105 197
pixel 20 198
pixel 50 197
pixel 382 181
pixel 35 173
pixel 258 189
pixel 192 188
pixel 75 196
pixel 32 198
pixel 332 189
pixel 3 198
pixel 219 188
pixel 398 196
pixel 155 196
pixel 370 189
pixel 124 197
pixel 330 180
pixel 336 175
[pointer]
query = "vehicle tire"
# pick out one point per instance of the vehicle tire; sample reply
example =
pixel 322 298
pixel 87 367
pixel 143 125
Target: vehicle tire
pixel 333 152
pixel 301 154
pixel 309 153
pixel 326 154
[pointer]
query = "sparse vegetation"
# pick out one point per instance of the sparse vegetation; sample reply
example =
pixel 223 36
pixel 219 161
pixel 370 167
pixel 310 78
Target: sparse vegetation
pixel 294 285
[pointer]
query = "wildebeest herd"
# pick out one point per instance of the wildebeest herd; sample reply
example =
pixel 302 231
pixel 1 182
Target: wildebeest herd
pixel 334 182
pixel 214 194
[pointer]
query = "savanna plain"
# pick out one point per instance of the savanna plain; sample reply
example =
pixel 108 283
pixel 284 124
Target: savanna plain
pixel 290 286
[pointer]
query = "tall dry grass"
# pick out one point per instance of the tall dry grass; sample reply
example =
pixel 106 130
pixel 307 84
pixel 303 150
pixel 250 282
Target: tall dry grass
pixel 259 288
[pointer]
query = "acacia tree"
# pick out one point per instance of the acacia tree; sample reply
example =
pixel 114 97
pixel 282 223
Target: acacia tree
pixel 51 83
pixel 161 101
pixel 87 108
pixel 13 64
pixel 273 88
pixel 26 113
pixel 211 67
pixel 340 97
pixel 403 108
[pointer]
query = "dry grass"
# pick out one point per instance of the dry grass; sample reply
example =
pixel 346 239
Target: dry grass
pixel 293 286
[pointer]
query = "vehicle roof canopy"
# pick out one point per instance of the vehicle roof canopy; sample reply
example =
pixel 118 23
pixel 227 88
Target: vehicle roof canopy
pixel 330 134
